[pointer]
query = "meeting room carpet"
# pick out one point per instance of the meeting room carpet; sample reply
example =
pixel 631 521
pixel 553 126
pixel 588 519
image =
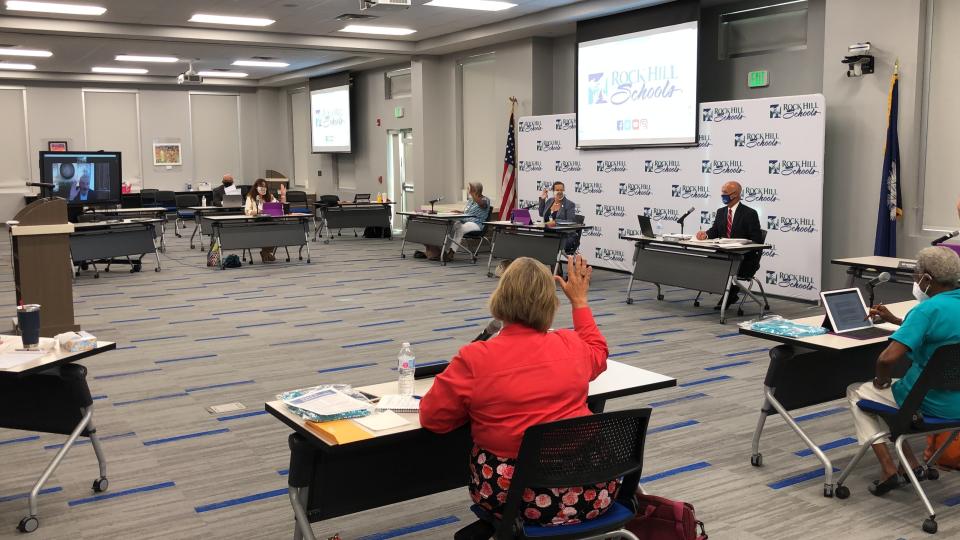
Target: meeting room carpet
pixel 190 337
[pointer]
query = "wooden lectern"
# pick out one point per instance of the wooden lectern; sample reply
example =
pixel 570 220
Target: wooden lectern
pixel 41 263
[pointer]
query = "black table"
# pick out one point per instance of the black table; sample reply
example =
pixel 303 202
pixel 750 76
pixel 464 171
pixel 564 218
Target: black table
pixel 249 232
pixel 108 241
pixel 540 242
pixel 429 230
pixel 202 226
pixel 348 215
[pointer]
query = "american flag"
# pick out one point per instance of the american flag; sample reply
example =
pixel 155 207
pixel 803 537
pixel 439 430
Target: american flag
pixel 508 183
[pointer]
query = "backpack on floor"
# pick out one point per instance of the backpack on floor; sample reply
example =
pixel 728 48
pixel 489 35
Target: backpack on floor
pixel 376 232
pixel 213 256
pixel 950 458
pixel 232 261
pixel 659 518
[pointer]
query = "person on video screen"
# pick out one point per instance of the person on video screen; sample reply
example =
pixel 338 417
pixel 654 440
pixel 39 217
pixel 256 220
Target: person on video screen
pixel 81 190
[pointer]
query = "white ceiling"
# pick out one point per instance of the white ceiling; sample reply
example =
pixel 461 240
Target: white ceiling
pixel 305 35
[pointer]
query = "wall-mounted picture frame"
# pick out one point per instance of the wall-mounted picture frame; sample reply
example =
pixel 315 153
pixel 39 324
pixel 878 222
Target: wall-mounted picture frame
pixel 166 154
pixel 57 146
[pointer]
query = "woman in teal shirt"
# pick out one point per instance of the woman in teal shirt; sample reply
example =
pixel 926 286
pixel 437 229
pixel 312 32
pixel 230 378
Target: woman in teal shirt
pixel 932 323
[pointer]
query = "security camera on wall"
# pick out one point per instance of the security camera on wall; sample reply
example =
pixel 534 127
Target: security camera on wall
pixel 189 77
pixel 858 61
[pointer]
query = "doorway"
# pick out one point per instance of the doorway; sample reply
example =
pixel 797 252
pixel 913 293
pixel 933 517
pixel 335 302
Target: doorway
pixel 400 188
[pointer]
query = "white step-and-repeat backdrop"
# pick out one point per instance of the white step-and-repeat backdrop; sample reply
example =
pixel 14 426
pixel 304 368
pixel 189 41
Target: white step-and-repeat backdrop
pixel 773 146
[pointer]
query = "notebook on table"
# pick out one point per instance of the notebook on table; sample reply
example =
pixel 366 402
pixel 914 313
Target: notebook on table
pixel 274 209
pixel 399 403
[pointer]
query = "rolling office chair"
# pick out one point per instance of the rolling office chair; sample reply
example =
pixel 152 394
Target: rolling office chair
pixel 572 452
pixel 184 202
pixel 148 197
pixel 131 200
pixel 298 202
pixel 747 290
pixel 326 201
pixel 480 237
pixel 941 373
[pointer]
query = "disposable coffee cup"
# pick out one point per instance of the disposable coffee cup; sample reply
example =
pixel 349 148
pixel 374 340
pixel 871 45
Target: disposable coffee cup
pixel 28 318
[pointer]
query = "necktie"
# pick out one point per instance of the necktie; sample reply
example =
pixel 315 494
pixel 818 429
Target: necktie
pixel 729 223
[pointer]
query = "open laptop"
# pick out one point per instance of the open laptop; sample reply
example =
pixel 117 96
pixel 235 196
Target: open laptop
pixel 521 216
pixel 646 227
pixel 232 201
pixel 847 315
pixel 274 209
pixel 361 198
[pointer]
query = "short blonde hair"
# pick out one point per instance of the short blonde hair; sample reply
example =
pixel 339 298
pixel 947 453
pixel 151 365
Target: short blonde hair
pixel 525 295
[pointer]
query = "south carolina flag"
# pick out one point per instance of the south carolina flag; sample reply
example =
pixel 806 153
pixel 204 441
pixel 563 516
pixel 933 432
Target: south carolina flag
pixel 891 202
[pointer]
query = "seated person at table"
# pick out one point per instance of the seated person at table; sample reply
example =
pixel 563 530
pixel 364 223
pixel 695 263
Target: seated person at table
pixel 474 214
pixel 736 220
pixel 258 195
pixel 933 322
pixel 560 208
pixel 526 375
pixel 220 191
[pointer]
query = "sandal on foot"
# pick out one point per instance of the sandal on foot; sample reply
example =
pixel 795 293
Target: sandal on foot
pixel 920 472
pixel 419 255
pixel 881 488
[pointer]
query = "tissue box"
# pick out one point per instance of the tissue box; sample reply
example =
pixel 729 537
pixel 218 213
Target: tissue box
pixel 76 341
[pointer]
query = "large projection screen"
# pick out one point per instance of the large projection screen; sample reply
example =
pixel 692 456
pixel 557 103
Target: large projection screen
pixel 638 89
pixel 330 119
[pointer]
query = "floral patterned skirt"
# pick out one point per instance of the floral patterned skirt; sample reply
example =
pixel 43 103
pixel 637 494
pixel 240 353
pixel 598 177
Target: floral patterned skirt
pixel 490 477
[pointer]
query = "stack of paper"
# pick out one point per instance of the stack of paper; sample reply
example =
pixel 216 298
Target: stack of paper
pixel 328 404
pixel 399 403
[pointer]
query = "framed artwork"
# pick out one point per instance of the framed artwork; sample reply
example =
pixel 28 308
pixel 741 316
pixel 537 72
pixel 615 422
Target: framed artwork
pixel 166 154
pixel 57 146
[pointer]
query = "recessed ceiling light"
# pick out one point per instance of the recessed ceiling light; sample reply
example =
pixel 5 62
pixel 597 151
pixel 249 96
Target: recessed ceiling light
pixel 227 19
pixel 260 63
pixel 50 7
pixel 138 58
pixel 382 30
pixel 119 70
pixel 481 5
pixel 223 74
pixel 22 67
pixel 25 52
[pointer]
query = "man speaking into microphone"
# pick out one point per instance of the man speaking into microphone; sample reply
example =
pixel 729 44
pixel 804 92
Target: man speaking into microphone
pixel 736 220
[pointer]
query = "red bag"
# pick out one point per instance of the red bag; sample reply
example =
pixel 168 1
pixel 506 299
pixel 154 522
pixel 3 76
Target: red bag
pixel 659 518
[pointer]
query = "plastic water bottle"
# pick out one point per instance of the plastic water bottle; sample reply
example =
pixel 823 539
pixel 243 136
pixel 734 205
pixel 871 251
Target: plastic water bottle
pixel 405 366
pixel 659 228
pixel 203 201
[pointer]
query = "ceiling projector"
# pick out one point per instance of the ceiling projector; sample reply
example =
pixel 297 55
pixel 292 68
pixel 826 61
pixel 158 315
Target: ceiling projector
pixel 189 77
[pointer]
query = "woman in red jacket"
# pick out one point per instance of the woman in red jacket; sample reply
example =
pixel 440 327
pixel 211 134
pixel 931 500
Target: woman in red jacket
pixel 524 376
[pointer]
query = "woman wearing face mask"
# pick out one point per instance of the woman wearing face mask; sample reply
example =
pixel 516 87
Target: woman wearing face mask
pixel 256 197
pixel 932 323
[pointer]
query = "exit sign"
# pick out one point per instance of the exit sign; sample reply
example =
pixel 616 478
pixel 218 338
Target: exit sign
pixel 758 79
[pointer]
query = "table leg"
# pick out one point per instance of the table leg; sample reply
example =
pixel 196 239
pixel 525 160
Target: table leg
pixel 756 458
pixel 196 228
pixel 630 290
pixel 493 247
pixel 827 464
pixel 723 301
pixel 298 500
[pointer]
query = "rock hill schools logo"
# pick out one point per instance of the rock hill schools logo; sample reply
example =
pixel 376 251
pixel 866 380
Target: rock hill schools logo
pixel 661 214
pixel 756 140
pixel 792 167
pixel 530 166
pixel 722 114
pixel 704 141
pixel 706 217
pixel 771 252
pixel 791 224
pixel 607 166
pixel 721 166
pixel 527 126
pixel 661 166
pixel 611 210
pixel 635 190
pixel 787 111
pixel 544 185
pixel 563 124
pixel 567 166
pixel 588 187
pixel 597 231
pixel 624 86
pixel 548 146
pixel 527 203
pixel 763 194
pixel 682 191
pixel 790 281
pixel 624 231
pixel 604 254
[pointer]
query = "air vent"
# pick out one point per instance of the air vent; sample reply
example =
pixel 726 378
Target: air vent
pixel 355 17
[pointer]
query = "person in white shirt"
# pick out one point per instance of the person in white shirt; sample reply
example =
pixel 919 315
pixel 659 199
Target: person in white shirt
pixel 253 206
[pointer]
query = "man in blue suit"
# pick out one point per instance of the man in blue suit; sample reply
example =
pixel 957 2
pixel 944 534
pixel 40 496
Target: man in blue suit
pixel 560 208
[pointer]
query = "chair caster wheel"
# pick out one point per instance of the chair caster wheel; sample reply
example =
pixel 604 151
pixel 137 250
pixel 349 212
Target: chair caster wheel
pixel 157 269
pixel 101 484
pixel 308 261
pixel 696 303
pixel 30 524
pixel 629 301
pixel 288 259
pixel 756 460
pixel 842 492
pixel 403 256
pixel 96 276
pixel 739 313
pixel 659 297
pixel 933 474
pixel 136 268
pixel 828 491
pixel 766 307
pixel 929 525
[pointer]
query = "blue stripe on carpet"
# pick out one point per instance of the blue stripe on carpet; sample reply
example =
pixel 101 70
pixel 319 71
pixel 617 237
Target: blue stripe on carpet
pixel 261 324
pixel 128 347
pixel 135 320
pixel 170 307
pixel 624 353
pixel 951 501
pixel 296 341
pixel 445 328
pixel 141 340
pixel 175 438
pixel 449 311
pixel 410 529
pixel 731 334
pixel 213 338
pixel 220 385
pixel 185 358
pixel 751 351
pixel 672 472
pixel 724 366
pixel 658 317
pixel 236 312
pixel 365 343
pixel 798 478
pixel 87 441
pixel 383 323
pixel 240 500
pixel 418 300
pixel 301 325
pixel 705 381
pixel 677 400
pixel 154 398
pixel 644 342
pixel 470 319
pixel 240 415
pixel 671 427
pixel 271 310
pixel 340 309
pixel 126 373
pixel 431 340
pixel 846 441
pixel 819 414
pixel 195 320
pixel 121 493
pixel 659 332
pixel 20 440
pixel 284 472
pixel 344 368
pixel 44 491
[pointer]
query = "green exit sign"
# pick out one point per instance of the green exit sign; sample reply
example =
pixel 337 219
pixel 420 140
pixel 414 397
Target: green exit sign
pixel 758 79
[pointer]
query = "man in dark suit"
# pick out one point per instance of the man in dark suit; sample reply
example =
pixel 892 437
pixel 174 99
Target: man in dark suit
pixel 219 191
pixel 560 208
pixel 736 220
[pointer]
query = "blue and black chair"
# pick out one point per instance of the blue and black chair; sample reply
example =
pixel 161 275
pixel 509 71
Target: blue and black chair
pixel 908 422
pixel 298 202
pixel 131 200
pixel 574 452
pixel 477 236
pixel 148 197
pixel 184 202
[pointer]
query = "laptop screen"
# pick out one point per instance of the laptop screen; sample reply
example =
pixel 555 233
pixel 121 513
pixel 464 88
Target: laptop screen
pixel 846 310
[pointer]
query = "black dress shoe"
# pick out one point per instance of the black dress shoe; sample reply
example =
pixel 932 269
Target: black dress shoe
pixel 731 300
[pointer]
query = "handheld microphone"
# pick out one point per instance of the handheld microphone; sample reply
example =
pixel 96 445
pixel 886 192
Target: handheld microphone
pixel 882 278
pixel 683 217
pixel 945 237
pixel 490 331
